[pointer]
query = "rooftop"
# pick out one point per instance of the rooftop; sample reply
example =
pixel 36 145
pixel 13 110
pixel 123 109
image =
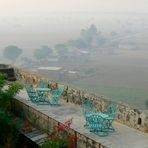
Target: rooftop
pixel 124 137
pixel 49 68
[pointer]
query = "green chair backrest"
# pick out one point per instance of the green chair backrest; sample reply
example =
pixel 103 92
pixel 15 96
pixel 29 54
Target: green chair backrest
pixel 56 95
pixel 87 106
pixel 43 84
pixel 111 110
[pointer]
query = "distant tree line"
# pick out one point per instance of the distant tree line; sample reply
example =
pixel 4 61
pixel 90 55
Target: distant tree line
pixel 12 53
pixel 89 38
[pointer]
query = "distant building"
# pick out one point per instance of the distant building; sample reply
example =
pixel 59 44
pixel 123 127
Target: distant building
pixel 72 75
pixel 52 73
pixel 84 52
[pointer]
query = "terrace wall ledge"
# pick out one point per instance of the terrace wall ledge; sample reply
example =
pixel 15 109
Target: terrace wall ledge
pixel 127 115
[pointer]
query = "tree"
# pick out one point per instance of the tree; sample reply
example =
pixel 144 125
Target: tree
pixel 92 37
pixel 26 61
pixel 78 43
pixel 38 54
pixel 88 34
pixel 7 129
pixel 6 95
pixel 42 53
pixel 61 48
pixel 12 52
pixel 46 49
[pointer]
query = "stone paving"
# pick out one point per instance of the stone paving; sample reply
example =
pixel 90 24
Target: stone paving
pixel 124 137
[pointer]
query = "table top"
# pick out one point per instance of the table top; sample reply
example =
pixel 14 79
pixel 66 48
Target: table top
pixel 43 89
pixel 100 114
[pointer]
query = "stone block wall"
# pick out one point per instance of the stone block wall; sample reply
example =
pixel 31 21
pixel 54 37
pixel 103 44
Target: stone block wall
pixel 127 115
pixel 48 124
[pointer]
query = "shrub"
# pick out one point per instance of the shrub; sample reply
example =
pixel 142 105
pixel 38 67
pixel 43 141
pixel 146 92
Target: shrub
pixel 7 91
pixel 8 133
pixel 60 138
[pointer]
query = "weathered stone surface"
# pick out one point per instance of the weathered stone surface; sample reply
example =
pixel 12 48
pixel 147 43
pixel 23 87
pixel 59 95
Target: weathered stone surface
pixel 127 115
pixel 123 137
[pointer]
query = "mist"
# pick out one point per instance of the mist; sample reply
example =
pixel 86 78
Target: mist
pixel 110 58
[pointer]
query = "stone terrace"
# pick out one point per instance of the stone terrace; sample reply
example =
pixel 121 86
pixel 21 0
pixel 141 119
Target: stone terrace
pixel 124 137
pixel 127 115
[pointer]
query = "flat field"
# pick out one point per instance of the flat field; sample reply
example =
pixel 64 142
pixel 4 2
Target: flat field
pixel 119 78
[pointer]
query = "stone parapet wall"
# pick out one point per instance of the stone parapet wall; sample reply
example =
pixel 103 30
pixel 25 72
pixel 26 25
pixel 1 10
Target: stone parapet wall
pixel 127 115
pixel 48 124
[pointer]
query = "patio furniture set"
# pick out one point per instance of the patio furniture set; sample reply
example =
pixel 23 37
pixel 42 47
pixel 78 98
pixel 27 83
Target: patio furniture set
pixel 43 95
pixel 100 123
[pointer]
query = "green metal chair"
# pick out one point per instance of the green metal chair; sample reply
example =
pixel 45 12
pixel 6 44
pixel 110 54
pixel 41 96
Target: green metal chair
pixel 111 111
pixel 32 93
pixel 56 96
pixel 43 84
pixel 87 108
pixel 35 97
pixel 97 125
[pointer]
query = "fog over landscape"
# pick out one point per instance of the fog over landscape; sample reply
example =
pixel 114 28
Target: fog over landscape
pixel 104 42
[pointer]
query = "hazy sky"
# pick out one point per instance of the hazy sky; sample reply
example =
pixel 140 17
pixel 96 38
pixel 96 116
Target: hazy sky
pixel 14 8
pixel 28 23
